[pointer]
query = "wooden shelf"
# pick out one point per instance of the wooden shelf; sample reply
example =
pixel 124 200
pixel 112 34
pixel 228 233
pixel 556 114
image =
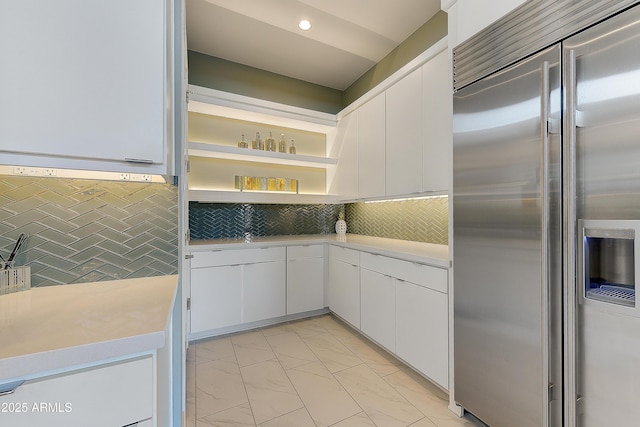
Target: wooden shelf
pixel 275 197
pixel 201 149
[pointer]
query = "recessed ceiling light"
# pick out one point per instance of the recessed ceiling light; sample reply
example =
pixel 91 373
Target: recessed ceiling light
pixel 304 25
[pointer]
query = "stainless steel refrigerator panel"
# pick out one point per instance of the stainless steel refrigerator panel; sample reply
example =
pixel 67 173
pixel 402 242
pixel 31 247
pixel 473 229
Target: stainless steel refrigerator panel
pixel 607 187
pixel 506 243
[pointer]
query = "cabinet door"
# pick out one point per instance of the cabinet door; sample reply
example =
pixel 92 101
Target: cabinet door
pixel 344 291
pixel 264 291
pixel 422 330
pixel 371 148
pixel 215 297
pixel 114 395
pixel 345 180
pixel 378 316
pixel 404 135
pixel 84 79
pixel 305 284
pixel 438 123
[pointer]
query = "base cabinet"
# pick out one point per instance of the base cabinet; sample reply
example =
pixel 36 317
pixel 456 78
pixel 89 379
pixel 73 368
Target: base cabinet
pixel 305 278
pixel 264 291
pixel 216 297
pixel 422 333
pixel 114 395
pixel 378 307
pixel 344 284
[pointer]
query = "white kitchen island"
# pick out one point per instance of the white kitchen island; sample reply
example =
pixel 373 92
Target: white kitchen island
pixel 89 354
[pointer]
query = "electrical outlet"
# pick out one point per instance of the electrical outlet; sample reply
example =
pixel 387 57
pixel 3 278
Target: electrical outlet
pixel 20 170
pixel 146 178
pixel 49 172
pixel 125 177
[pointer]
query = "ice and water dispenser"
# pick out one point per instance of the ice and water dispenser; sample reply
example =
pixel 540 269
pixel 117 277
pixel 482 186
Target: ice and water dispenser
pixel 607 266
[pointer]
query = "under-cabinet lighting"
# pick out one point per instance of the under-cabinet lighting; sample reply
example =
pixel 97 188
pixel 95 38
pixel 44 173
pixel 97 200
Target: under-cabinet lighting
pixel 407 199
pixel 80 174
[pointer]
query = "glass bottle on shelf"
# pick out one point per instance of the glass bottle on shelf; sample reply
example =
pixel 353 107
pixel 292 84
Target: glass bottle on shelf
pixel 259 145
pixel 282 145
pixel 292 148
pixel 242 143
pixel 270 144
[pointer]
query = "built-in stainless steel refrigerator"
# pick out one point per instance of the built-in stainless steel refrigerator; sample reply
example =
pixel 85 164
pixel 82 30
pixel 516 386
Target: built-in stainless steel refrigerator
pixel 546 217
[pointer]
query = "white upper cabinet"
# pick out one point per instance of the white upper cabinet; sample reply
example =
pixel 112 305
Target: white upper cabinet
pixel 437 120
pixel 85 84
pixel 468 17
pixel 345 181
pixel 404 135
pixel 371 148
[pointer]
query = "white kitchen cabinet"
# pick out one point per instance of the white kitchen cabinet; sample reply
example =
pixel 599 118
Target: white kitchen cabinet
pixel 305 278
pixel 87 83
pixel 264 290
pixel 344 284
pixel 345 180
pixel 422 330
pixel 216 297
pixel 371 148
pixel 233 287
pixel 378 307
pixel 404 135
pixel 118 394
pixel 438 123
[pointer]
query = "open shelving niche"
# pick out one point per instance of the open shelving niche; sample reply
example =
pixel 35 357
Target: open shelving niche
pixel 216 121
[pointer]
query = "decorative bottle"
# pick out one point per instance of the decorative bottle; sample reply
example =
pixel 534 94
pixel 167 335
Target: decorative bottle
pixel 292 148
pixel 242 143
pixel 341 224
pixel 282 145
pixel 270 143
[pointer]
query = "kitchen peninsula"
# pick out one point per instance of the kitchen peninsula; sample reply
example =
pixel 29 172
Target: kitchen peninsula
pixel 94 353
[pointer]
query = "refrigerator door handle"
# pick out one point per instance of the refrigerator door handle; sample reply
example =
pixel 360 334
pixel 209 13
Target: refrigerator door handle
pixel 545 207
pixel 570 291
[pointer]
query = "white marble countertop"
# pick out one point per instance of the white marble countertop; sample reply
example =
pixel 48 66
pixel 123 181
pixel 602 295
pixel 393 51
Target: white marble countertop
pixel 427 253
pixel 56 327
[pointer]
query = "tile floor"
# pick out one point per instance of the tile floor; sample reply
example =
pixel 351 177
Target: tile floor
pixel 313 372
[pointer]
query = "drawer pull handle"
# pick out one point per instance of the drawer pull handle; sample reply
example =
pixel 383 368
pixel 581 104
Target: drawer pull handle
pixel 9 388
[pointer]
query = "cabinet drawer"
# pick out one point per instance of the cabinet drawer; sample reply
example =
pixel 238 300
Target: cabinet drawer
pixel 343 254
pixel 305 251
pixel 113 395
pixel 237 256
pixel 421 274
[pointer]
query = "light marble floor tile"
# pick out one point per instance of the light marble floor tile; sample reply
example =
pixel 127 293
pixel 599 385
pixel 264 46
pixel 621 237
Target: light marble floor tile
pixel 298 418
pixel 335 327
pixel 425 422
pixel 425 396
pixel 308 328
pixel 323 396
pixel 219 387
pixel 270 392
pixel 290 350
pixel 214 349
pixel 251 347
pixel 457 422
pixel 359 420
pixel 379 360
pixel 277 329
pixel 332 352
pixel 384 405
pixel 240 416
pixel 190 372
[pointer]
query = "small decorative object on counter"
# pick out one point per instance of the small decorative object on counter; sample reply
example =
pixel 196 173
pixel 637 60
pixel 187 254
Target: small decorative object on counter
pixel 242 143
pixel 270 144
pixel 292 149
pixel 341 224
pixel 282 145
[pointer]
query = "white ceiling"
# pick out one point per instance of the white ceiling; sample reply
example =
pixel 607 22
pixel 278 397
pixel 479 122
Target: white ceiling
pixel 347 38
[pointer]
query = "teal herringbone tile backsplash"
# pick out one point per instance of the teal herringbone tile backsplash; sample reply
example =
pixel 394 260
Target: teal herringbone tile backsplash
pixel 420 220
pixel 86 231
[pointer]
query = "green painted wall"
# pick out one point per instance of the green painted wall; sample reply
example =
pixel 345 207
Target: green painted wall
pixel 220 74
pixel 423 38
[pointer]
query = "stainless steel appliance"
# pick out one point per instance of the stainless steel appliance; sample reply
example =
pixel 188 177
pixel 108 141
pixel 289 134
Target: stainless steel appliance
pixel 546 217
